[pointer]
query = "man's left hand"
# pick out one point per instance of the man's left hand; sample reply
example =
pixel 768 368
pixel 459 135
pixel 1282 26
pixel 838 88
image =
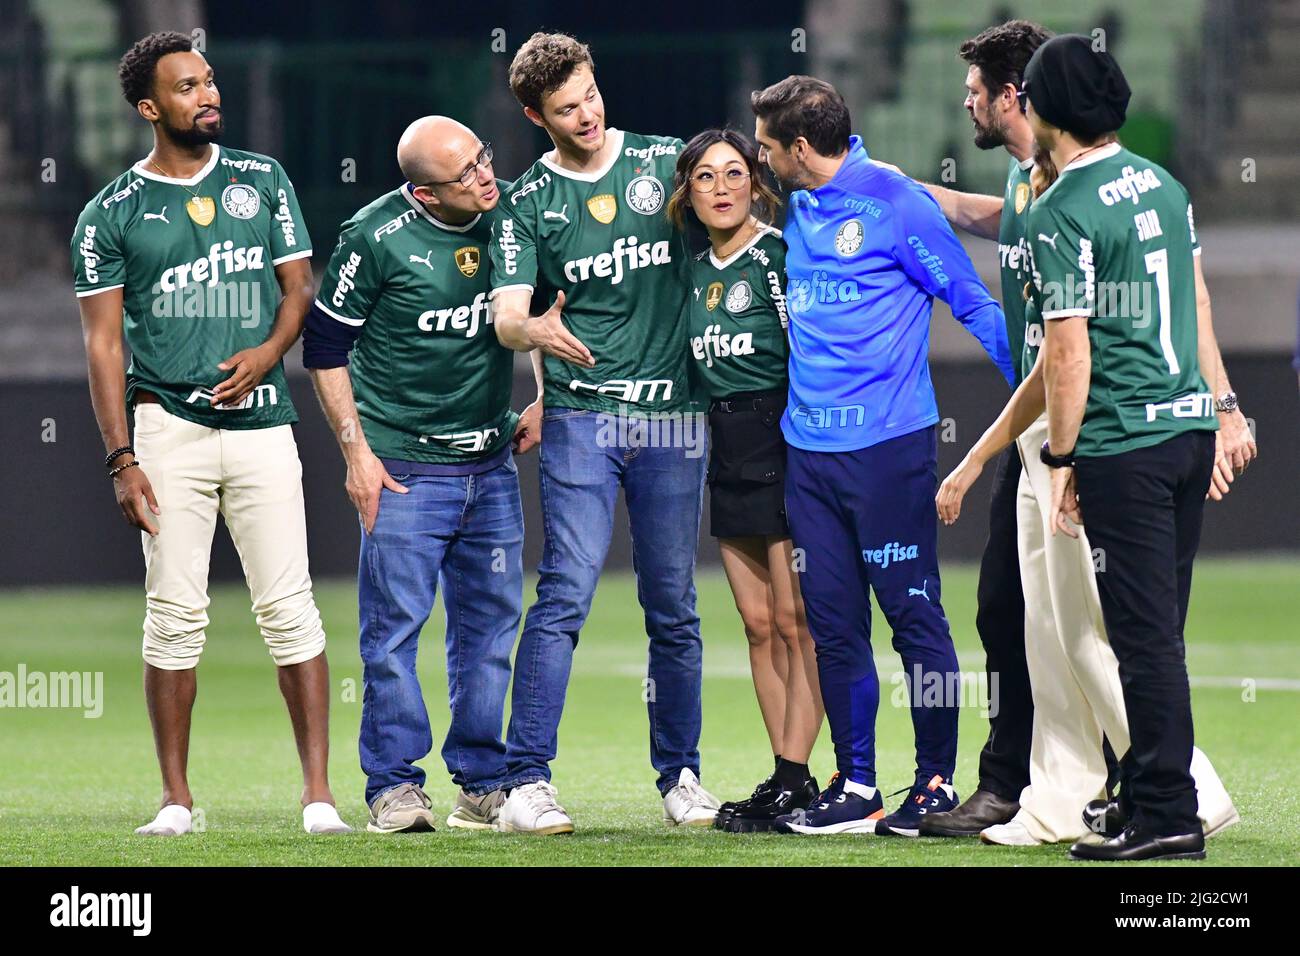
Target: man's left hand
pixel 1065 502
pixel 1238 443
pixel 528 432
pixel 250 367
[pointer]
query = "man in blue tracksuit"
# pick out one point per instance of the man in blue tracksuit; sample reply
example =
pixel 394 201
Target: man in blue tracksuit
pixel 868 251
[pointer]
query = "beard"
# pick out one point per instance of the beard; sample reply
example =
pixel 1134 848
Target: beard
pixel 194 134
pixel 989 135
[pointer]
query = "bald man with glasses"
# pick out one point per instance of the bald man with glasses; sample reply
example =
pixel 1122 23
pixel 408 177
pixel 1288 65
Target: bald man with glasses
pixel 416 387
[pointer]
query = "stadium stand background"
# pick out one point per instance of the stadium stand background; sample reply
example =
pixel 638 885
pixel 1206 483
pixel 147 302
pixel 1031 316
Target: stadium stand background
pixel 1215 100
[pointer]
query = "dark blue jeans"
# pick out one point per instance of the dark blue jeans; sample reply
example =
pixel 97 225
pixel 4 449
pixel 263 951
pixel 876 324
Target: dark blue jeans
pixel 466 534
pixel 865 521
pixel 582 466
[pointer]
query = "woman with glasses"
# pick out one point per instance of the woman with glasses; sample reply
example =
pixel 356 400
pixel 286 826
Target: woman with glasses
pixel 737 323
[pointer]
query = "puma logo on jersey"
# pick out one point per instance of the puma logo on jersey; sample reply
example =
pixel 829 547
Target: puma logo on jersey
pixel 158 215
pixel 461 318
pixel 1050 240
pixel 222 259
pixel 561 215
pixel 627 253
pixel 919 592
pixel 427 256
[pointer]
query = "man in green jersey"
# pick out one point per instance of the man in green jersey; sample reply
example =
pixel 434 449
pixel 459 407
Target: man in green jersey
pixel 1131 420
pixel 188 253
pixel 429 469
pixel 585 227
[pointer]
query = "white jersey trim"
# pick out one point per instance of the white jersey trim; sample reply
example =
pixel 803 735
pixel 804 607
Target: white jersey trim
pixel 139 169
pixel 1106 152
pixel 342 318
pixel 291 256
pixel 1067 313
pixel 507 288
pixel 110 288
pixel 446 227
pixel 614 156
pixel 764 229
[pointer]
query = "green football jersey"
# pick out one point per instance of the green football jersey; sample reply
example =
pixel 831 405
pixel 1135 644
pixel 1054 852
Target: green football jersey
pixel 1113 239
pixel 604 239
pixel 195 259
pixel 430 379
pixel 1013 258
pixel 737 320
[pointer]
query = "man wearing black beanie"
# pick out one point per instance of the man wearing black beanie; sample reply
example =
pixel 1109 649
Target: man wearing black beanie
pixel 1131 420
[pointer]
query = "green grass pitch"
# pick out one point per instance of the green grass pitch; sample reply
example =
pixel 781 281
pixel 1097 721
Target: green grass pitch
pixel 72 788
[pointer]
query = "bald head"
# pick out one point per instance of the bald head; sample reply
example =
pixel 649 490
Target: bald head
pixel 436 149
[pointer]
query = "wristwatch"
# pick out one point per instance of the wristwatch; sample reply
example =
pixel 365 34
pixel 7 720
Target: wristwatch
pixel 1227 402
pixel 1055 461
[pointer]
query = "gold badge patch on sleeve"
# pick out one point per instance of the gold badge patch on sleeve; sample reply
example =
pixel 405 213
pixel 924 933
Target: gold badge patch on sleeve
pixel 1022 197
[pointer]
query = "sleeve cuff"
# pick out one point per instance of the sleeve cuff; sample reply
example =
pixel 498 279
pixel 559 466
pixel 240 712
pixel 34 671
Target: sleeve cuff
pixel 356 323
pixel 107 288
pixel 508 288
pixel 1068 313
pixel 291 256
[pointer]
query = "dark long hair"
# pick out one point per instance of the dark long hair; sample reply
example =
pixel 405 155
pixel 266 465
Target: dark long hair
pixel 764 201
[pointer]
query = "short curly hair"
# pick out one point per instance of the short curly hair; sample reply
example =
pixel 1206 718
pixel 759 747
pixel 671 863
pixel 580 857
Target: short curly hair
pixel 543 64
pixel 136 70
pixel 1003 51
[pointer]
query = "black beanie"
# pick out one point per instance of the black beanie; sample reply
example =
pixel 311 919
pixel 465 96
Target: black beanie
pixel 1076 88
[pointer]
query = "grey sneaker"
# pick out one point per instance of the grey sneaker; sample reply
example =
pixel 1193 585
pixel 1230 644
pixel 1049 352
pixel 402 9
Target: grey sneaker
pixel 403 809
pixel 472 812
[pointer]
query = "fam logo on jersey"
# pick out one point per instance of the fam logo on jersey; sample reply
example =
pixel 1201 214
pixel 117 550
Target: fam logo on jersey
pixel 471 441
pixel 603 208
pixel 1022 197
pixel 739 296
pixel 241 201
pixel 713 296
pixel 467 260
pixel 848 238
pixel 645 195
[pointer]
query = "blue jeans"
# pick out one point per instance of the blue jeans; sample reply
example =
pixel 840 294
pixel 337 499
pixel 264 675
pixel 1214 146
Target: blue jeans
pixel 468 534
pixel 663 489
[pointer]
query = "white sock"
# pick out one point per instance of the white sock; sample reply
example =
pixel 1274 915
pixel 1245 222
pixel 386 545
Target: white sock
pixel 861 789
pixel 323 818
pixel 172 820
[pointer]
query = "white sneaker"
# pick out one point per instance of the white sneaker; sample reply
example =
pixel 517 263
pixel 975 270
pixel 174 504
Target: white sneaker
pixel 1011 833
pixel 476 812
pixel 172 820
pixel 531 808
pixel 688 804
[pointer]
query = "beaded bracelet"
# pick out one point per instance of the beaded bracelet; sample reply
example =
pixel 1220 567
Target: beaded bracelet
pixel 117 453
pixel 121 468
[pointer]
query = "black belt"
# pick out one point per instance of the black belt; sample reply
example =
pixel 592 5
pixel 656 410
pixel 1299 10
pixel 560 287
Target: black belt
pixel 754 402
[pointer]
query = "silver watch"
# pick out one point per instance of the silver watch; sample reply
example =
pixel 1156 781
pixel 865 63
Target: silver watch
pixel 1227 402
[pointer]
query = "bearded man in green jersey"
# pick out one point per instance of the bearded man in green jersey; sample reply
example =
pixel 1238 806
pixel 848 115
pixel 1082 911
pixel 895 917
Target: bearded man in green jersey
pixel 417 389
pixel 586 228
pixel 188 253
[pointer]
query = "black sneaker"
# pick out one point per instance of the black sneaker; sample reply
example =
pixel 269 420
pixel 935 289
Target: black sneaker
pixel 925 797
pixel 763 793
pixel 834 811
pixel 758 817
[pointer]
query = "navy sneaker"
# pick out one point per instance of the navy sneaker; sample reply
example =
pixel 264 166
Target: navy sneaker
pixel 925 797
pixel 835 811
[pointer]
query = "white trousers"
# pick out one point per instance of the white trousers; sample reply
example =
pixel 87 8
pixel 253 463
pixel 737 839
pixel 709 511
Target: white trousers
pixel 253 478
pixel 1073 672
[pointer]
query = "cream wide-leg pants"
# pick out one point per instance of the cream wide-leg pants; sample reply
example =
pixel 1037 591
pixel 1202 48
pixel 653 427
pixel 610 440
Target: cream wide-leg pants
pixel 253 478
pixel 1073 671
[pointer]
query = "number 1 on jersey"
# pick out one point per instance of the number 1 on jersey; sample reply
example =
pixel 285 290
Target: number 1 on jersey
pixel 1157 263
